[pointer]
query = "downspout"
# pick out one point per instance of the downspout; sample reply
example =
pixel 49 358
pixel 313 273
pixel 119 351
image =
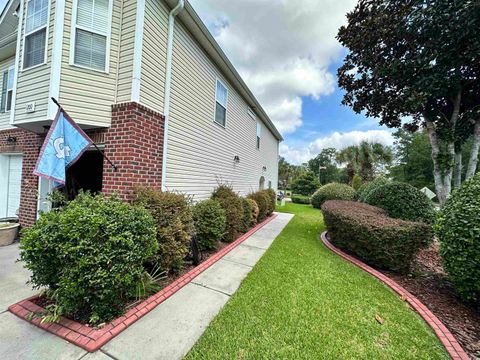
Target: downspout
pixel 168 86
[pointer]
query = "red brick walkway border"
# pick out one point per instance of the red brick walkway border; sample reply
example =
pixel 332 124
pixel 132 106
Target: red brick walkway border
pixel 93 339
pixel 454 349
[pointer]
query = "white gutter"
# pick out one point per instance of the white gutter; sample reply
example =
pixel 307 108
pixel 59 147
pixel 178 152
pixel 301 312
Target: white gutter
pixel 168 86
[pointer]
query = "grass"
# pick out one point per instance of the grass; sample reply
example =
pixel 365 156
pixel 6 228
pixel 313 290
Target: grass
pixel 303 302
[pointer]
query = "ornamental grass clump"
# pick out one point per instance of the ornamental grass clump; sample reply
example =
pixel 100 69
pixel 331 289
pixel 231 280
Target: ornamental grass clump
pixel 373 236
pixel 402 201
pixel 174 220
pixel 89 254
pixel 458 229
pixel 210 222
pixel 332 191
pixel 232 205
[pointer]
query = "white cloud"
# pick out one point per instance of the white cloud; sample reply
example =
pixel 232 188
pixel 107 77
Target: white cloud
pixel 282 48
pixel 337 140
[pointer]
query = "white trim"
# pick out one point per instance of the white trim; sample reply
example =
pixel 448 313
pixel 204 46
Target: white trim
pixel 215 104
pixel 168 87
pixel 11 67
pixel 56 65
pixel 17 64
pixel 137 51
pixel 107 34
pixel 251 113
pixel 23 25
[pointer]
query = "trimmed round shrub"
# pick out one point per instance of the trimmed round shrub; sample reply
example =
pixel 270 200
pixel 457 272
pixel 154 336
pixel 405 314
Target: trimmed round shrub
pixel 367 187
pixel 402 201
pixel 332 191
pixel 459 233
pixel 173 215
pixel 89 254
pixel 250 214
pixel 272 201
pixel 232 205
pixel 262 200
pixel 210 221
pixel 300 199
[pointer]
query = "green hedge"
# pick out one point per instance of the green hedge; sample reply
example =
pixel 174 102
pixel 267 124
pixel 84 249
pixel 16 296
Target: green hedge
pixel 370 234
pixel 458 228
pixel 232 204
pixel 173 215
pixel 262 199
pixel 300 199
pixel 402 201
pixel 367 187
pixel 250 214
pixel 210 222
pixel 89 254
pixel 271 200
pixel 332 191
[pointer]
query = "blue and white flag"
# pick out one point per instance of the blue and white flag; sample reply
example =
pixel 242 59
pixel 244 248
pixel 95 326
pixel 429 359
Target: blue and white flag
pixel 64 144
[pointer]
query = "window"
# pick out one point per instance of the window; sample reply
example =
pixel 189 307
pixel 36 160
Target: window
pixel 35 33
pixel 252 114
pixel 91 34
pixel 221 98
pixel 259 133
pixel 7 90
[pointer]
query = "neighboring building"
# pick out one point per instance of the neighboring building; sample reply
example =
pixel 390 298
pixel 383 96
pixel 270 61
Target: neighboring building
pixel 148 84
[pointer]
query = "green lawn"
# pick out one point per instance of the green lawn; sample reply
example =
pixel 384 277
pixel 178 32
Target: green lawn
pixel 303 302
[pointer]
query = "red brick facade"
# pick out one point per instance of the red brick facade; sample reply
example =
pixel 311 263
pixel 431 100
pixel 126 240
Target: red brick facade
pixel 29 145
pixel 134 143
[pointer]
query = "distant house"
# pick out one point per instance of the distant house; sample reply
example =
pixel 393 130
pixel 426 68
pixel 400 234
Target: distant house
pixel 150 86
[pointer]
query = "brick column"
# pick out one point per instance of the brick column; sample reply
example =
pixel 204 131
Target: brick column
pixel 28 144
pixel 134 143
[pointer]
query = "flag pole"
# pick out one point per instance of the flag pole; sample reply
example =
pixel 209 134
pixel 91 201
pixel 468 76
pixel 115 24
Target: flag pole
pixel 95 145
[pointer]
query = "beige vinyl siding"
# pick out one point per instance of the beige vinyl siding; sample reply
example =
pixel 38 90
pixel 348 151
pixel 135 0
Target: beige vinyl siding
pixel 154 53
pixel 5 116
pixel 87 95
pixel 127 42
pixel 33 84
pixel 200 152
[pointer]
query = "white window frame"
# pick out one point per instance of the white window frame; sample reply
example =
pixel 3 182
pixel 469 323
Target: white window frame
pixel 217 80
pixel 73 36
pixel 10 68
pixel 258 134
pixel 25 34
pixel 251 113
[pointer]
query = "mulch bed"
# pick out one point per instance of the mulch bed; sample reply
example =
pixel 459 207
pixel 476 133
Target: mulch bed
pixel 428 282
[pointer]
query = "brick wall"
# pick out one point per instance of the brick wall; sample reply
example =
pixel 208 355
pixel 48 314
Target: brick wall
pixel 29 145
pixel 134 143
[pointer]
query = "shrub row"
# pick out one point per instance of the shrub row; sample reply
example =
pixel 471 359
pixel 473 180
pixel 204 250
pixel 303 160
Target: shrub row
pixel 332 191
pixel 301 199
pixel 369 233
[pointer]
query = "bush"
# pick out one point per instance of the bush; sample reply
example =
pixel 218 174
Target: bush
pixel 174 219
pixel 402 201
pixel 370 234
pixel 356 182
pixel 89 254
pixel 332 191
pixel 262 200
pixel 306 184
pixel 250 214
pixel 272 201
pixel 210 222
pixel 367 187
pixel 300 199
pixel 232 204
pixel 459 233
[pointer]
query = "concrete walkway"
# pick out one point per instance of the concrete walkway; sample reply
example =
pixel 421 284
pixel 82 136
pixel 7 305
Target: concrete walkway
pixel 167 332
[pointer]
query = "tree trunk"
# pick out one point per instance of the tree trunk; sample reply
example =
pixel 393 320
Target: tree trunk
pixel 457 170
pixel 443 177
pixel 472 163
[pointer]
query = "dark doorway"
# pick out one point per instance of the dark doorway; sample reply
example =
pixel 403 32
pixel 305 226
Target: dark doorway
pixel 86 174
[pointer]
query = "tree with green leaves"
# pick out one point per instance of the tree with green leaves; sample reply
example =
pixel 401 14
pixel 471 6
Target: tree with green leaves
pixel 416 63
pixel 325 167
pixel 306 184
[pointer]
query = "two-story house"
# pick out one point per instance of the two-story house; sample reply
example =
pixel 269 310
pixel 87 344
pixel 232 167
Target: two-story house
pixel 147 82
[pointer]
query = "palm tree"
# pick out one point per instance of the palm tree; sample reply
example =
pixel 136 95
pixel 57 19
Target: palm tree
pixel 365 159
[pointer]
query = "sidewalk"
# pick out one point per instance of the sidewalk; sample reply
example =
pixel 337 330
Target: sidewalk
pixel 168 331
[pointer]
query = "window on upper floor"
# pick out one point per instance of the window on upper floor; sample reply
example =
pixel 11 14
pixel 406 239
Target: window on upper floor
pixel 91 34
pixel 252 114
pixel 259 134
pixel 7 89
pixel 35 33
pixel 221 98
